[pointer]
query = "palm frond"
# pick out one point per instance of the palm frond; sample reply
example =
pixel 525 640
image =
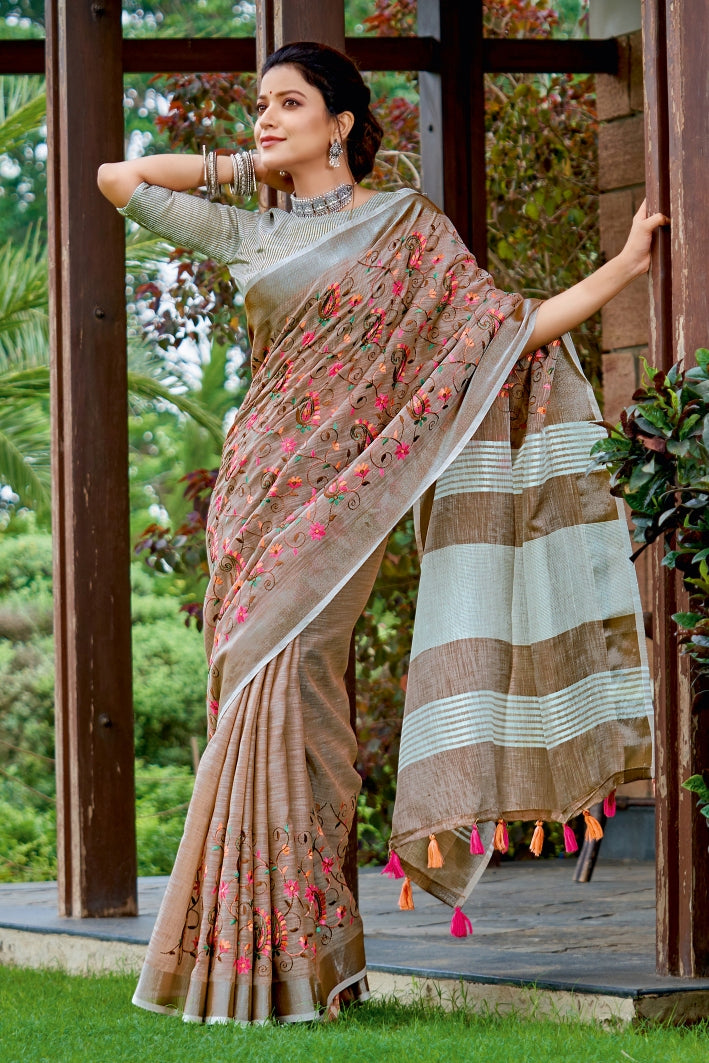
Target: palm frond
pixel 24 316
pixel 24 453
pixel 150 388
pixel 144 249
pixel 23 105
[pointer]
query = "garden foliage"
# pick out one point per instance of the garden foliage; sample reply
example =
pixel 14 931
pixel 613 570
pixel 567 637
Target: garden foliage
pixel 659 460
pixel 542 227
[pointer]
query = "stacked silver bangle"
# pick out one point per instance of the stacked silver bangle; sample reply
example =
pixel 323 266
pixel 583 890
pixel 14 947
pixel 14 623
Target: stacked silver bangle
pixel 242 163
pixel 244 174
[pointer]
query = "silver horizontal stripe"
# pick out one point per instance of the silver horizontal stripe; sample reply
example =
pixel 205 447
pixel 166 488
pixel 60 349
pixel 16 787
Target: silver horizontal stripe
pixel 525 594
pixel 487 465
pixel 525 722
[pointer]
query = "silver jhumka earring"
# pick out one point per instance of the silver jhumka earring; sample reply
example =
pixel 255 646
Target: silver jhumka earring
pixel 334 154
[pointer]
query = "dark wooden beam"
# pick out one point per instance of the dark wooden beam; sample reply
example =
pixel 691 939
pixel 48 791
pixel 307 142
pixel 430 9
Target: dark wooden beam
pixel 94 715
pixel 688 154
pixel 201 54
pixel 502 56
pixel 676 134
pixel 453 120
pixel 665 650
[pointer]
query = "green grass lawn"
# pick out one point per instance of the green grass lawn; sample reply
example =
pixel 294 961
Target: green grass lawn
pixel 47 1015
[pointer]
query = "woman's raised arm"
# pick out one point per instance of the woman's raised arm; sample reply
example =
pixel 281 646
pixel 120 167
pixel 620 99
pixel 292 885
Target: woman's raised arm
pixel 568 309
pixel 119 180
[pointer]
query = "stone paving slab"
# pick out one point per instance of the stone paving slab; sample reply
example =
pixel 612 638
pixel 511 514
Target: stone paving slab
pixel 533 926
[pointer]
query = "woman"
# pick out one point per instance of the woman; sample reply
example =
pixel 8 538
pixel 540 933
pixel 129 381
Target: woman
pixel 381 354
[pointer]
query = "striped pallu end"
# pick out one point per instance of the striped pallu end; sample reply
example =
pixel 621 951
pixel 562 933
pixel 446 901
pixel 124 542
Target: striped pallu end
pixel 528 693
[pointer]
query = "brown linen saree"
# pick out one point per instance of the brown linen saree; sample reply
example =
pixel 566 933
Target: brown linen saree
pixel 379 349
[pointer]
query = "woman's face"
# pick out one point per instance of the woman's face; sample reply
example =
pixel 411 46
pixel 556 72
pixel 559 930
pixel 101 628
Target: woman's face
pixel 294 129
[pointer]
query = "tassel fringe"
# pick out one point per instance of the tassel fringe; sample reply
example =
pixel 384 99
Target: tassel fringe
pixel 406 899
pixel 570 843
pixel 594 830
pixel 393 867
pixel 609 805
pixel 460 924
pixel 537 843
pixel 501 841
pixel 476 846
pixel 435 859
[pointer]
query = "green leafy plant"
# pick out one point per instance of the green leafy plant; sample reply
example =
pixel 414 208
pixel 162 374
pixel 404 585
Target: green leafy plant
pixel 698 785
pixel 659 461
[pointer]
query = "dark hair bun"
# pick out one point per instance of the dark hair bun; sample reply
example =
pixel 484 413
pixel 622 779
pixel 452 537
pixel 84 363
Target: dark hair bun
pixel 340 83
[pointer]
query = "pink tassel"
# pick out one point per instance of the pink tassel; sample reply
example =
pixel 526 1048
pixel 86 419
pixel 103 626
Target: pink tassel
pixel 460 924
pixel 572 846
pixel 393 868
pixel 609 805
pixel 476 846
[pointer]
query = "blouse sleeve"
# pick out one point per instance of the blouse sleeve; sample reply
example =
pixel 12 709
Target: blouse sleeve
pixel 214 229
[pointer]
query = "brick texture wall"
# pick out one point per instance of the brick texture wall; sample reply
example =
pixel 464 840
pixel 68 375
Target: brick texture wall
pixel 625 320
pixel 621 175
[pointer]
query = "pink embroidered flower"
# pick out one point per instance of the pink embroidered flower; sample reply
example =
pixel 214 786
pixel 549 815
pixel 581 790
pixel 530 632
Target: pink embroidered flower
pixel 397 288
pixel 213 707
pixel 276 549
pixel 223 890
pixel 381 402
pixel 334 369
pixel 288 445
pixel 252 420
pixel 361 470
pixel 295 482
pixel 317 531
pixel 243 964
pixel 308 338
pixel 241 614
pixel 355 300
pixel 224 946
pixel 291 888
pixel 327 863
pixel 444 394
pixel 402 450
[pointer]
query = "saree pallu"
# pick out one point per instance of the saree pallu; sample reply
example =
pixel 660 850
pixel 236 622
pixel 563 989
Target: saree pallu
pixel 376 357
pixel 528 695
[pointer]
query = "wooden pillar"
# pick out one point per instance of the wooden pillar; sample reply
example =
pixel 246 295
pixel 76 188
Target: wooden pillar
pixel 453 118
pixel 94 717
pixel 676 135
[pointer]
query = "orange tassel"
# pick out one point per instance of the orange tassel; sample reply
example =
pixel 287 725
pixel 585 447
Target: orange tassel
pixel 537 843
pixel 406 899
pixel 435 858
pixel 501 841
pixel 594 830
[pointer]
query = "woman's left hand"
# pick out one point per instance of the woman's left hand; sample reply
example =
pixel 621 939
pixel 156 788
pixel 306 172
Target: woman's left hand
pixel 636 253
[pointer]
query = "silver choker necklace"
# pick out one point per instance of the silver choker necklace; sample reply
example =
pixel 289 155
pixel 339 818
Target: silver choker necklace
pixel 328 203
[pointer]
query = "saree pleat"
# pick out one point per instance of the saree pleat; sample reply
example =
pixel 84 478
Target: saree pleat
pixel 258 919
